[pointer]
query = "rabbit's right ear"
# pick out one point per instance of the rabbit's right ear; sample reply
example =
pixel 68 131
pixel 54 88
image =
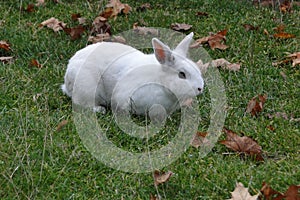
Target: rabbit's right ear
pixel 162 52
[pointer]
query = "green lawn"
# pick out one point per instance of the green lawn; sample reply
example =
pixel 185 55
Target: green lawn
pixel 39 162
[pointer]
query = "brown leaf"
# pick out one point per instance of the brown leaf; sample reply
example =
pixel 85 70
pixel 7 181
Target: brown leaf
pixel 143 7
pixel 218 63
pixel 256 104
pixel 35 63
pixel 61 125
pixel 154 197
pixel 75 32
pixel 294 57
pixel 242 144
pixel 242 193
pixel 29 8
pixel 181 27
pixel 115 7
pixel 145 30
pixel 6 59
pixel 75 16
pixel 271 128
pixel 226 65
pixel 202 14
pixel 215 41
pixel 100 26
pixel 5 45
pixel 161 177
pixel 285 6
pixel 280 34
pixel 53 24
pixel 199 140
pixel 249 27
pixel 292 193
pixel 268 193
pixel 99 38
pixel 284 35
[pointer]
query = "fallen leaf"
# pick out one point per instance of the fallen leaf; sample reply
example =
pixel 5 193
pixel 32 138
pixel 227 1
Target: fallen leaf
pixel 74 32
pixel 53 24
pixel 226 65
pixel 278 115
pixel 5 45
pixel 75 16
pixel 145 30
pixel 249 27
pixel 34 63
pixel 271 128
pixel 268 193
pixel 115 7
pixel 242 193
pixel 285 6
pixel 202 14
pixel 181 27
pixel 100 26
pixel 280 34
pixel 155 197
pixel 283 35
pixel 256 104
pixel 294 58
pixel 200 139
pixel 99 38
pixel 40 3
pixel 61 125
pixel 242 144
pixel 118 39
pixel 266 32
pixel 221 62
pixel 161 177
pixel 143 7
pixel 215 41
pixel 29 8
pixel 6 59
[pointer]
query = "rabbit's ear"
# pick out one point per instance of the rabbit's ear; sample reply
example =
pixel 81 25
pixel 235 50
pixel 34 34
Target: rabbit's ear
pixel 162 52
pixel 183 47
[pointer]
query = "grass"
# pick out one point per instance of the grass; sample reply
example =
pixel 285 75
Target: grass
pixel 38 162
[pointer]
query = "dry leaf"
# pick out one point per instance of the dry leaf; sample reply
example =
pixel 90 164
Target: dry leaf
pixel 61 125
pixel 256 104
pixel 154 197
pixel 280 34
pixel 40 3
pixel 99 38
pixel 118 39
pixel 75 16
pixel 54 24
pixel 242 144
pixel 269 193
pixel 285 6
pixel 35 63
pixel 200 139
pixel 100 26
pixel 242 193
pixel 75 32
pixel 278 115
pixel 218 63
pixel 6 59
pixel 145 30
pixel 292 193
pixel 5 45
pixel 115 7
pixel 29 8
pixel 143 7
pixel 161 177
pixel 181 27
pixel 202 14
pixel 294 57
pixel 249 27
pixel 215 41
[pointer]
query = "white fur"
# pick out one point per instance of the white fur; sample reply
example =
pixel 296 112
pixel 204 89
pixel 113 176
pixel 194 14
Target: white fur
pixel 113 74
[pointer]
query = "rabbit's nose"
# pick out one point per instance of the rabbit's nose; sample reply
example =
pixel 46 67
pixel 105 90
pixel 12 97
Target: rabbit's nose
pixel 200 90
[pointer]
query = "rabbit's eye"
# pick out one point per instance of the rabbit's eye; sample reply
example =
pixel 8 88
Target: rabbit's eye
pixel 182 75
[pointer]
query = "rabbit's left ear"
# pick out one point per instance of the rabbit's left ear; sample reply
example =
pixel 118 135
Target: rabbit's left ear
pixel 183 47
pixel 162 52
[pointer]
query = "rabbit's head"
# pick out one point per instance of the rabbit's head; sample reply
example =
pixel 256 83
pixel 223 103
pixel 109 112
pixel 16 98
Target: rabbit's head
pixel 180 74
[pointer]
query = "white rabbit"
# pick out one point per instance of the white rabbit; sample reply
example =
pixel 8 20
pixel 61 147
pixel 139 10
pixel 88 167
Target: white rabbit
pixel 113 74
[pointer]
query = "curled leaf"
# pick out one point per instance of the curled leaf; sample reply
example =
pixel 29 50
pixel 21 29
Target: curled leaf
pixel 256 104
pixel 161 177
pixel 242 193
pixel 181 27
pixel 53 24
